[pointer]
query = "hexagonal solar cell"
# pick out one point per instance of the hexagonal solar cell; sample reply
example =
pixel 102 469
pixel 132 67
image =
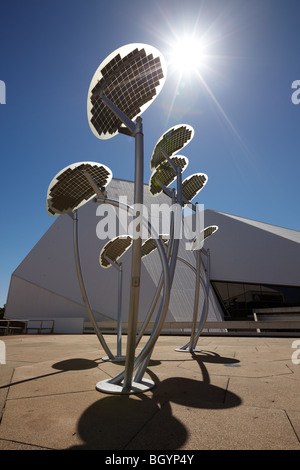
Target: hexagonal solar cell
pixel 192 185
pixel 70 189
pixel 131 77
pixel 171 142
pixel 114 249
pixel 149 245
pixel 165 174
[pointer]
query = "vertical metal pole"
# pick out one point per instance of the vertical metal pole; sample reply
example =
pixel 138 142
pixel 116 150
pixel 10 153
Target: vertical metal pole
pixel 136 257
pixel 206 290
pixel 187 346
pixel 119 332
pixel 196 300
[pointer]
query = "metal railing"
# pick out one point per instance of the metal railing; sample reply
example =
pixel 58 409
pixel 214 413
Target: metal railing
pixel 10 327
pixel 21 327
pixel 268 327
pixel 252 327
pixel 242 327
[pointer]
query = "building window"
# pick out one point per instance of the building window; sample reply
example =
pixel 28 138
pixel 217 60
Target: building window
pixel 239 299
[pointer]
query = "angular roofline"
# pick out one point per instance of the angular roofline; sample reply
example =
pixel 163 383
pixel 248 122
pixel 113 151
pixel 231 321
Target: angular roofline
pixel 287 233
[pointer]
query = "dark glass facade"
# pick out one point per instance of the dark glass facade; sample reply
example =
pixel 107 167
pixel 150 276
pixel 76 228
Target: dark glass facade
pixel 238 299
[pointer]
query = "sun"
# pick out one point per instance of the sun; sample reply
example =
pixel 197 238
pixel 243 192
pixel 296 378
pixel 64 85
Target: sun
pixel 187 55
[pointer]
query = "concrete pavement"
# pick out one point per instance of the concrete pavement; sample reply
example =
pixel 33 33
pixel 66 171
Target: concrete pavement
pixel 237 393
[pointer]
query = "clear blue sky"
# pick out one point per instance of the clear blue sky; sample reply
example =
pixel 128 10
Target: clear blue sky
pixel 246 126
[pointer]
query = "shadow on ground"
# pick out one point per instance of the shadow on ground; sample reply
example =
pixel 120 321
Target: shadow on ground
pixel 146 421
pixel 63 366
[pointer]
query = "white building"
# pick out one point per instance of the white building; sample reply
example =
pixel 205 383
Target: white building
pixel 250 264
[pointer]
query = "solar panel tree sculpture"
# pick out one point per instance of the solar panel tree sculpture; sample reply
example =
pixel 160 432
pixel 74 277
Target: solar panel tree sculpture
pixel 123 86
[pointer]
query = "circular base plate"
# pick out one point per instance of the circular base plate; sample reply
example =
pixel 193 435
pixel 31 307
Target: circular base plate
pixel 118 389
pixel 187 350
pixel 115 359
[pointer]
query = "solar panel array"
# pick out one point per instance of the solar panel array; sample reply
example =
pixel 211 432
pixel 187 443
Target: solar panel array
pixel 70 187
pixel 165 174
pixel 192 185
pixel 129 82
pixel 114 249
pixel 171 142
pixel 150 245
pixel 209 231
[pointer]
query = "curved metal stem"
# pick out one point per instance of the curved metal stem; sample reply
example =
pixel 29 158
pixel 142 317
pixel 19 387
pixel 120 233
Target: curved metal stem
pixel 195 336
pixel 83 290
pixel 119 268
pixel 119 332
